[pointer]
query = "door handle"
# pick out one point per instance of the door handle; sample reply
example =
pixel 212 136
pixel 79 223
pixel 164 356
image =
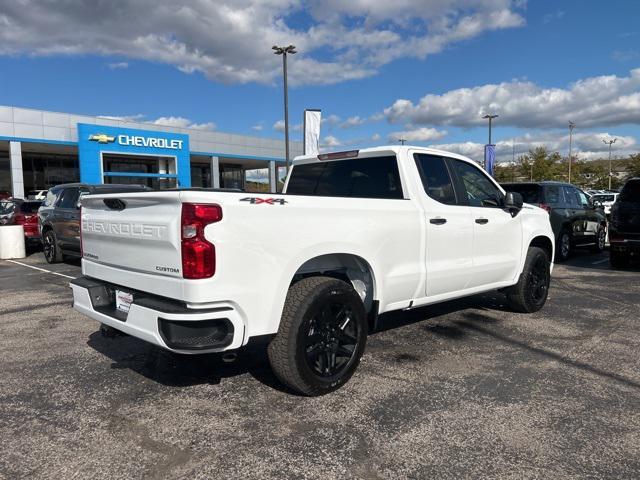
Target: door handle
pixel 438 221
pixel 482 221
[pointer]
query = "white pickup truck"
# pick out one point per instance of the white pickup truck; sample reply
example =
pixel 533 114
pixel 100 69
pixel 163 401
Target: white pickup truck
pixel 354 235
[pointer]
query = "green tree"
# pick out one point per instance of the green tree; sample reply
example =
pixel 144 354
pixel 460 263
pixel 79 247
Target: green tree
pixel 633 165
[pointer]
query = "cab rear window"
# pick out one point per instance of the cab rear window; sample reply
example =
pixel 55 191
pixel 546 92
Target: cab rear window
pixel 372 177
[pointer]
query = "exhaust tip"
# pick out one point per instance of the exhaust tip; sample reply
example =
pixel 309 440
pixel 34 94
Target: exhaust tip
pixel 229 357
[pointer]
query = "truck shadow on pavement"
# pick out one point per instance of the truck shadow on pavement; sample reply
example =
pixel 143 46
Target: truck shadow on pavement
pixel 176 370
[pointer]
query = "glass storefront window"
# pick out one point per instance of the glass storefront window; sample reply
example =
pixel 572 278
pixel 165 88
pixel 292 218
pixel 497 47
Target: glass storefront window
pixel 5 172
pixel 133 164
pixel 42 171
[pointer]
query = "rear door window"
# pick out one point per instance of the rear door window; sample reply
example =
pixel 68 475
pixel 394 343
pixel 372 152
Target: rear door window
pixel 372 177
pixel 571 197
pixel 69 198
pixel 435 178
pixel 553 195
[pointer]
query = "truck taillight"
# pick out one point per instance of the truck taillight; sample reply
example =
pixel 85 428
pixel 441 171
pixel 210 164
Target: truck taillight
pixel 546 207
pixel 198 255
pixel 80 228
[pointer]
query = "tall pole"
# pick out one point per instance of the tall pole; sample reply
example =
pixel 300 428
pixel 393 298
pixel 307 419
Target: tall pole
pixel 490 117
pixel 610 142
pixel 284 51
pixel 402 140
pixel 571 127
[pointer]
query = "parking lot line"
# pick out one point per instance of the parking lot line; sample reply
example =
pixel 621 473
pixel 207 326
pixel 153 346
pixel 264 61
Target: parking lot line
pixel 41 269
pixel 600 261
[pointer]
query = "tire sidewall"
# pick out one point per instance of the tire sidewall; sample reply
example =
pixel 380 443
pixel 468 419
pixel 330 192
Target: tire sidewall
pixel 536 256
pixel 50 236
pixel 561 256
pixel 339 292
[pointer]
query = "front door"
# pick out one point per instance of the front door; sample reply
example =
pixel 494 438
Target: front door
pixel 497 235
pixel 449 229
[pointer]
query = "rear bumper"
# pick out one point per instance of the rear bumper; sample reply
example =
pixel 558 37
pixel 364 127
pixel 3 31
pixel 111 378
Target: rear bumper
pixel 629 246
pixel 160 321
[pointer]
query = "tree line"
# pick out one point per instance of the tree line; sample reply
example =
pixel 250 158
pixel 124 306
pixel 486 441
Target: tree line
pixel 540 164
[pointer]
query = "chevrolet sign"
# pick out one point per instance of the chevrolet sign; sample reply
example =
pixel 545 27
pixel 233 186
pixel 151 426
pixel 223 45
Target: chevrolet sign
pixel 138 141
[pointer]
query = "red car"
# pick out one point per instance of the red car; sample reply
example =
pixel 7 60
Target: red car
pixel 5 195
pixel 18 212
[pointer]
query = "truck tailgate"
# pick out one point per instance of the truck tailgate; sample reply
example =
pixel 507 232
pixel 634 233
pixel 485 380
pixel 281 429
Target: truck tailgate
pixel 136 232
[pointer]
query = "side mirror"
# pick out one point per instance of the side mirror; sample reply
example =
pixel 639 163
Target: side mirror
pixel 513 202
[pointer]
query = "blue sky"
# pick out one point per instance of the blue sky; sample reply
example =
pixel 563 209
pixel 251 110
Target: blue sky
pixel 573 60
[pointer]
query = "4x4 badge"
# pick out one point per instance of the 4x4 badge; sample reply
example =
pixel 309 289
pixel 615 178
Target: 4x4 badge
pixel 268 201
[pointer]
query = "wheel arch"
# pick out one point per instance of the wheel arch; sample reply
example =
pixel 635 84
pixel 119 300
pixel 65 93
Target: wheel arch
pixel 349 267
pixel 543 242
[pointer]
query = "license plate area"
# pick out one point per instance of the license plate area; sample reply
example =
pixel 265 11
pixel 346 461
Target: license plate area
pixel 124 300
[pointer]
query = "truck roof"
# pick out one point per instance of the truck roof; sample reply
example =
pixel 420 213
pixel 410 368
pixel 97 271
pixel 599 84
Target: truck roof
pixel 371 151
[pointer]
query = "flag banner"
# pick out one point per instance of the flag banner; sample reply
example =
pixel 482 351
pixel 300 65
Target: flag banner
pixel 489 158
pixel 312 131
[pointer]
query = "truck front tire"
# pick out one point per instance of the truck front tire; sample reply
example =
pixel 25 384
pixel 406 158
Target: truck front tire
pixel 530 293
pixel 321 338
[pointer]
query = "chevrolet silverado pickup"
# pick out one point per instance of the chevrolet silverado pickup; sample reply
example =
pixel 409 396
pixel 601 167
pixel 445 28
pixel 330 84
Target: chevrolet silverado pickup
pixel 353 235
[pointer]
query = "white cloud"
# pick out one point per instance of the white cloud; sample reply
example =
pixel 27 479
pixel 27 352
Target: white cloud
pixel 331 120
pixel 595 101
pixel 422 134
pixel 279 126
pixel 586 145
pixel 229 40
pixel 258 128
pixel 352 122
pixel 375 137
pixel 330 141
pixel 124 118
pixel 118 65
pixel 181 122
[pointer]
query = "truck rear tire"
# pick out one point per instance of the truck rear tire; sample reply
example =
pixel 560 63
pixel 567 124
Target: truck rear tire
pixel 530 293
pixel 322 336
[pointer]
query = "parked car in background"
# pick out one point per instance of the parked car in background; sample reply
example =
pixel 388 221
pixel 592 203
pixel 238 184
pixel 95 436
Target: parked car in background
pixel 36 194
pixel 624 228
pixel 19 212
pixel 59 217
pixel 8 211
pixel 575 220
pixel 27 216
pixel 606 200
pixel 5 195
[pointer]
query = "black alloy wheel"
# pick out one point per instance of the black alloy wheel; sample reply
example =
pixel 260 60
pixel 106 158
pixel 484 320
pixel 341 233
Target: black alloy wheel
pixel 564 247
pixel 538 281
pixel 50 248
pixel 332 339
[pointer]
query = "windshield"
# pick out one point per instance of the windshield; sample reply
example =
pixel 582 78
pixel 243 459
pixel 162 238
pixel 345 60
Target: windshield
pixel 530 192
pixel 631 191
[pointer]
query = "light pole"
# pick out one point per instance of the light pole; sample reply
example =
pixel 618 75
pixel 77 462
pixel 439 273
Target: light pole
pixel 571 127
pixel 490 117
pixel 284 51
pixel 402 140
pixel 610 142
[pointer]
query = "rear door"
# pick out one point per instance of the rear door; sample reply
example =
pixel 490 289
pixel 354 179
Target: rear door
pixel 64 216
pixel 449 229
pixel 497 235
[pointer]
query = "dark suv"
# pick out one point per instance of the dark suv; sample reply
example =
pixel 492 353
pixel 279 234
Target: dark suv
pixel 624 229
pixel 575 220
pixel 59 217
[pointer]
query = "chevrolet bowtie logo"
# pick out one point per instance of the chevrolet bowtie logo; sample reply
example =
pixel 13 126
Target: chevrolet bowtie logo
pixel 102 138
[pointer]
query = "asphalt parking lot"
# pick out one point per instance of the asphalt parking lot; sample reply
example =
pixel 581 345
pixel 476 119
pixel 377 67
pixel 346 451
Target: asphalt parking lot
pixel 462 389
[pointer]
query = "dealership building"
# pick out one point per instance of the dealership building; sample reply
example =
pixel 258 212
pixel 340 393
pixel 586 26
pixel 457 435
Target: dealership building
pixel 40 149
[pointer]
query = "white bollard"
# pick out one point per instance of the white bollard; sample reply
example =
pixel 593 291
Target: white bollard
pixel 12 242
